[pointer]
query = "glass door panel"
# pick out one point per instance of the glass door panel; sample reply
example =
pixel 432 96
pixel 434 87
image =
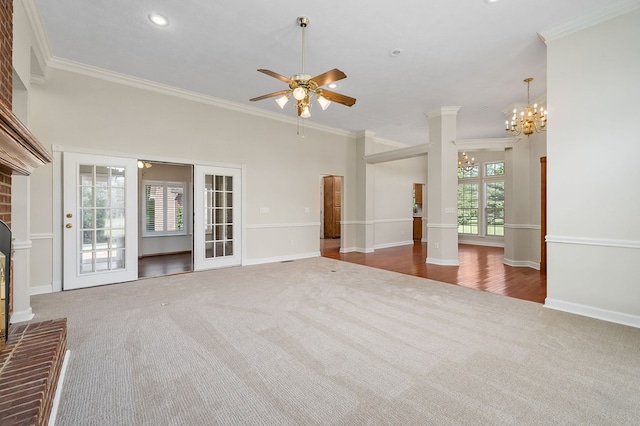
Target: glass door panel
pixel 99 211
pixel 217 236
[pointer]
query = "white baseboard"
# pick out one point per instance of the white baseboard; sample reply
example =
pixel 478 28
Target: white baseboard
pixel 396 244
pixel 285 258
pixel 486 243
pixel 522 264
pixel 56 398
pixel 41 289
pixel 22 316
pixel 356 250
pixel 443 262
pixel 593 312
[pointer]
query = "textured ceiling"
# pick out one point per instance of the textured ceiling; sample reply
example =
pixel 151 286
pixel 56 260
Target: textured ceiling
pixel 468 53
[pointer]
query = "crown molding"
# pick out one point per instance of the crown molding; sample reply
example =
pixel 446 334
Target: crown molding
pixel 589 19
pixel 139 83
pixel 40 44
pixel 445 110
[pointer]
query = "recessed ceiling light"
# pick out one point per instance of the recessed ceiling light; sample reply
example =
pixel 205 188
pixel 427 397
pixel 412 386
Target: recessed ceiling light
pixel 159 20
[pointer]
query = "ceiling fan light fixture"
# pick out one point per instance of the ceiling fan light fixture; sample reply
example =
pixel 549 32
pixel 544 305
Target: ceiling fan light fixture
pixel 299 93
pixel 305 112
pixel 324 102
pixel 282 101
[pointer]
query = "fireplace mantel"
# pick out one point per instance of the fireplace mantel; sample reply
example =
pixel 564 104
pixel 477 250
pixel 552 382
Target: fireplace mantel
pixel 21 151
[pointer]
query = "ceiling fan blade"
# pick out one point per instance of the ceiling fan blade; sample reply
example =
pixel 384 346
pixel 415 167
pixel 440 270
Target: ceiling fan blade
pixel 275 75
pixel 328 77
pixel 270 95
pixel 337 97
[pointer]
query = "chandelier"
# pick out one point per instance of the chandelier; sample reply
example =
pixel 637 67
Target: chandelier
pixel 532 119
pixel 465 163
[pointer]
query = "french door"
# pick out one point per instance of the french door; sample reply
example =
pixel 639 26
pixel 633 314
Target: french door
pixel 217 229
pixel 100 228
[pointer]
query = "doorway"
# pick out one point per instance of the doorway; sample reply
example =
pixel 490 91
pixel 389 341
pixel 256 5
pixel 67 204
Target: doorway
pixel 418 190
pixel 165 206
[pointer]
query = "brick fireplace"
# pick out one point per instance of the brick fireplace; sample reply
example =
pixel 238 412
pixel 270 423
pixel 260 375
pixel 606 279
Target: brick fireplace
pixel 31 358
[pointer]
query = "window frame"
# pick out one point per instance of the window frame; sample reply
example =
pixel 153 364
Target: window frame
pixel 185 208
pixel 482 179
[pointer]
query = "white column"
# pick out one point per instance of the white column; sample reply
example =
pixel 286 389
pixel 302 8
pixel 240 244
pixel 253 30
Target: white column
pixel 20 218
pixel 364 194
pixel 442 192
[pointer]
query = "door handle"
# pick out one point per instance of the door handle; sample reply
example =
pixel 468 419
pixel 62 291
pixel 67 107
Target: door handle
pixel 68 225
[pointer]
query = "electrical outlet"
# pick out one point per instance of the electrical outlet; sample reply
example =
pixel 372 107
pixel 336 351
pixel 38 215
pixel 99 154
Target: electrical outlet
pixel 436 245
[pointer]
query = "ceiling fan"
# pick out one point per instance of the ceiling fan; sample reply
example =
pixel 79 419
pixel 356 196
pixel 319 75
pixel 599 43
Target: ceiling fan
pixel 302 86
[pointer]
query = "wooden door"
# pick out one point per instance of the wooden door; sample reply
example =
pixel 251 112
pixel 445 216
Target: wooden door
pixel 332 206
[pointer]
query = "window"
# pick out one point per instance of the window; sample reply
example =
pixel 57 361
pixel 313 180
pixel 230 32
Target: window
pixel 164 208
pixel 468 208
pixel 494 210
pixel 470 198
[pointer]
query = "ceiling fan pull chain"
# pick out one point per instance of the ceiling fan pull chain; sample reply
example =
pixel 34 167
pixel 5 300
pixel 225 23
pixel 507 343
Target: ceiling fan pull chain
pixel 304 26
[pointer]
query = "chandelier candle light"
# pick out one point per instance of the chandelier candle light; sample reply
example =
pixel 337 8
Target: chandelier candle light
pixel 532 119
pixel 464 163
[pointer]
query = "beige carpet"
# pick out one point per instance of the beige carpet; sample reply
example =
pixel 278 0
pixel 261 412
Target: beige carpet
pixel 322 342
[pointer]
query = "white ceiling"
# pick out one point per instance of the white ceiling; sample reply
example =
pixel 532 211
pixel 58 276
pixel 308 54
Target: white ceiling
pixel 468 53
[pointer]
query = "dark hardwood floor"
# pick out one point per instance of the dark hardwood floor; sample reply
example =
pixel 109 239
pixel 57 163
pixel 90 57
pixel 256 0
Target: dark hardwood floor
pixel 168 264
pixel 480 268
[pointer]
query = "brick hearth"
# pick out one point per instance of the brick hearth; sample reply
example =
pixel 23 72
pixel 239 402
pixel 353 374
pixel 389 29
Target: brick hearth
pixel 30 366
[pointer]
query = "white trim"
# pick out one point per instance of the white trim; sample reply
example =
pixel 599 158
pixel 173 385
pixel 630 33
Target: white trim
pixel 485 144
pixel 444 110
pixel 393 220
pixel 41 48
pixel 442 225
pixel 41 289
pixel 593 312
pixel 358 222
pixel 443 262
pixel 283 225
pixel 58 394
pixel 102 74
pixel 21 245
pixel 57 219
pixel 522 226
pixel 356 250
pixel 285 258
pixel 22 316
pixel 397 154
pixel 148 157
pixel 593 242
pixel 42 236
pixel 521 264
pixel 589 19
pixel 396 244
pixel 481 242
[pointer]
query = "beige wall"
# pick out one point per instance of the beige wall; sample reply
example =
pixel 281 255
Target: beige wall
pixel 593 150
pixel 75 111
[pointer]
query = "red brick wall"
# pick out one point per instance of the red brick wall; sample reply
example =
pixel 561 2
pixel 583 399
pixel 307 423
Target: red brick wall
pixel 6 49
pixel 6 84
